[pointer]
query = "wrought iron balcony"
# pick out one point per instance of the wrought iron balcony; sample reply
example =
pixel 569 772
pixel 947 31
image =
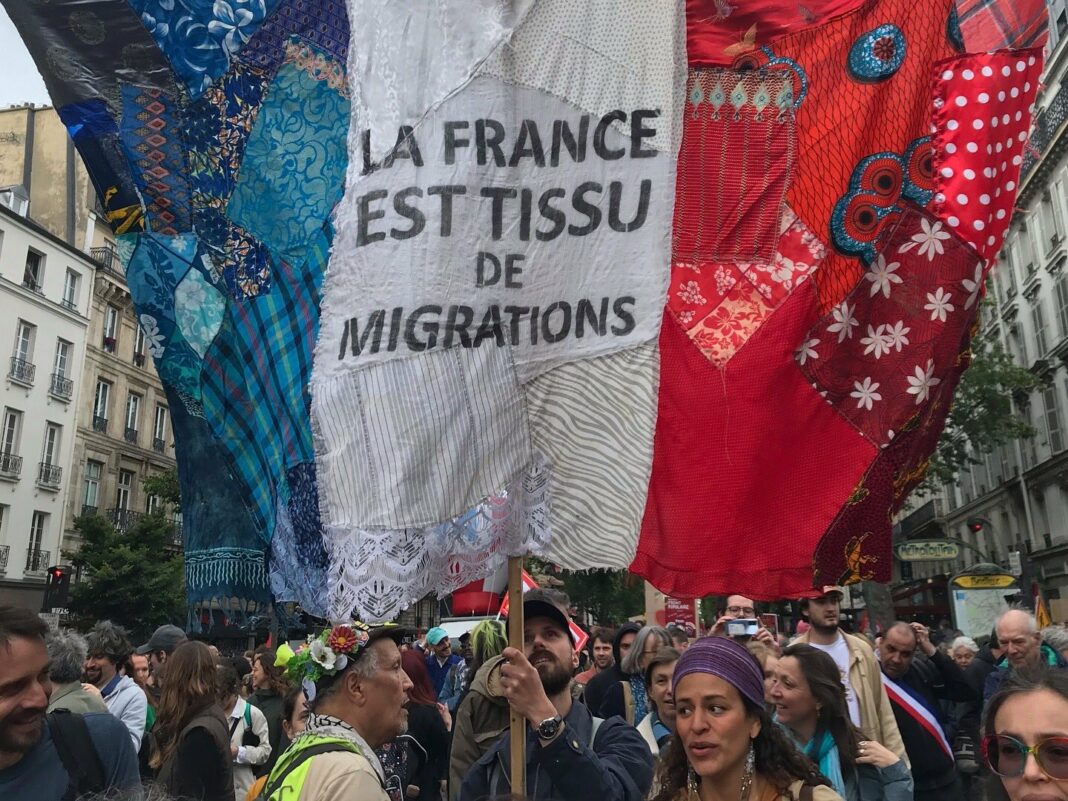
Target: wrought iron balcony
pixel 130 435
pixel 158 444
pixel 106 257
pixel 68 303
pixel 5 552
pixel 21 371
pixel 49 475
pixel 37 561
pixel 61 387
pixel 10 465
pixel 30 284
pixel 88 510
pixel 123 519
pixel 100 423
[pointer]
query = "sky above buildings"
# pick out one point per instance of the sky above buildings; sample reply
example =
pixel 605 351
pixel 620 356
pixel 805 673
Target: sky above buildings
pixel 20 82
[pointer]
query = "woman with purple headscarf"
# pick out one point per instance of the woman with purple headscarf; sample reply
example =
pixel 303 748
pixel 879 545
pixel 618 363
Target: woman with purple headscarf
pixel 725 744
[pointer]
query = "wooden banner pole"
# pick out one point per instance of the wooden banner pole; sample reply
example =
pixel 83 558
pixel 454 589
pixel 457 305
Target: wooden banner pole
pixel 515 640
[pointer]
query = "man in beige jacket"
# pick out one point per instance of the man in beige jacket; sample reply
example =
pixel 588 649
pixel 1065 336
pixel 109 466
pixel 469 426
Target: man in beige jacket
pixel 869 706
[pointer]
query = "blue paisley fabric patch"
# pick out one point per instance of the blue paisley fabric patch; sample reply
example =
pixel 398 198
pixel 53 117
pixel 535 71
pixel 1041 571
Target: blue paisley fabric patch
pixel 294 167
pixel 200 37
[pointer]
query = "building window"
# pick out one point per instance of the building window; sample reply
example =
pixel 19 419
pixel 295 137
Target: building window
pixel 159 429
pixel 100 405
pixel 93 472
pixel 133 416
pixel 111 329
pixel 1007 275
pixel 24 337
pixel 153 504
pixel 50 452
pixel 1061 293
pixel 1027 253
pixel 1050 230
pixel 139 346
pixel 1028 443
pixel 9 439
pixel 1054 431
pixel 37 559
pixel 70 289
pixel 59 367
pixel 124 490
pixel 33 275
pixel 1038 319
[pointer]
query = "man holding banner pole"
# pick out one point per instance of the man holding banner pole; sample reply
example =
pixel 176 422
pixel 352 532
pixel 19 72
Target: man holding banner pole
pixel 915 686
pixel 570 754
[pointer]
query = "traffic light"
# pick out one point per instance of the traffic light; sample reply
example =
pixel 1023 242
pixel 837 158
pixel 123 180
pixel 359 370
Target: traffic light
pixel 57 589
pixel 975 526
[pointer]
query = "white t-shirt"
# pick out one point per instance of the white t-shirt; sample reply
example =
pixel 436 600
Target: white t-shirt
pixel 839 652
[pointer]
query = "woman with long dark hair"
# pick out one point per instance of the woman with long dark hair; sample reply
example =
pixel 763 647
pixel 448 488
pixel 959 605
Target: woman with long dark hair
pixel 810 703
pixel 194 758
pixel 725 744
pixel 1026 736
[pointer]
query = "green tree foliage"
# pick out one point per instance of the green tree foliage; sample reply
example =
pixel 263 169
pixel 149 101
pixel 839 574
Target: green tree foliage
pixel 165 486
pixel 134 578
pixel 610 596
pixel 982 416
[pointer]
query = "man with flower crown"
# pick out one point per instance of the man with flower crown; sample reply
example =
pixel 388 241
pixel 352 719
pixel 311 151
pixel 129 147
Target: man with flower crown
pixel 356 693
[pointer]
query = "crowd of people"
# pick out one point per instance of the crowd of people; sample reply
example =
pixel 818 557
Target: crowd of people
pixel 369 714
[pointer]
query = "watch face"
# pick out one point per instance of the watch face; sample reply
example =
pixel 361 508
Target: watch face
pixel 548 728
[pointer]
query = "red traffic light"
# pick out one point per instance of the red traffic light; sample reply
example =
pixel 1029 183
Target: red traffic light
pixel 975 526
pixel 57 572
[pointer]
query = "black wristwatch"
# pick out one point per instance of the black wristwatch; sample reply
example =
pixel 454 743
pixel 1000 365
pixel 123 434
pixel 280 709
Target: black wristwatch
pixel 550 727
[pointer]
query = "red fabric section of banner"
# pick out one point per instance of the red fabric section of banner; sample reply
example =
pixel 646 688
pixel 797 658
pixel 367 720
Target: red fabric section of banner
pixel 717 31
pixel 727 507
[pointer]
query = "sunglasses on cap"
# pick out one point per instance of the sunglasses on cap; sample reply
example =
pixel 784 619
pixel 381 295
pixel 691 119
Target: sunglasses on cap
pixel 1007 756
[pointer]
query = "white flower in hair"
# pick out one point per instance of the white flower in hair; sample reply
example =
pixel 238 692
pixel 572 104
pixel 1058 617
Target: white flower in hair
pixel 323 655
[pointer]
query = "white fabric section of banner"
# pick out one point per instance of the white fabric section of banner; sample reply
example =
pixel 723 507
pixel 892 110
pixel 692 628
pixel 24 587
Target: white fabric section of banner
pixel 520 225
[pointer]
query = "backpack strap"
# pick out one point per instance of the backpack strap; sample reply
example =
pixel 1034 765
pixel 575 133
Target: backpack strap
pixel 628 701
pixel 248 716
pixel 593 732
pixel 297 761
pixel 77 752
pixel 806 793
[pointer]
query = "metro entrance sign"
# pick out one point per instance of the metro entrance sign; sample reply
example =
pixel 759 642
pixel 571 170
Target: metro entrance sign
pixel 927 551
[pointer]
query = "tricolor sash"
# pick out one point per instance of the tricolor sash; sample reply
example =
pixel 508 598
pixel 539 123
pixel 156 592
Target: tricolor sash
pixel 901 696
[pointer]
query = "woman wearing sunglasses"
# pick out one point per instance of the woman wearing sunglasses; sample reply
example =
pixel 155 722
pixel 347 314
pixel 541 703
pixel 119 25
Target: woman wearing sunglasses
pixel 1026 742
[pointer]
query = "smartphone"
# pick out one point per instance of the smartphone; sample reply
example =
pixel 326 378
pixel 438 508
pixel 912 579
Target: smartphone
pixel 743 627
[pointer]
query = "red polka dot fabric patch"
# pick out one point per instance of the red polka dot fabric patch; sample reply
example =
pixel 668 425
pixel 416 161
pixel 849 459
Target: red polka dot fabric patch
pixel 982 115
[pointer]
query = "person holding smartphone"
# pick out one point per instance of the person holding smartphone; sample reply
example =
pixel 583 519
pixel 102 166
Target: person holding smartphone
pixel 739 620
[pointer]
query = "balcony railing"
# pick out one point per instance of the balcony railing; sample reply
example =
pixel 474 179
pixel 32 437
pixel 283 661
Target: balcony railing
pixel 139 359
pixel 21 371
pixel 61 387
pixel 100 423
pixel 106 257
pixel 130 435
pixel 68 303
pixel 123 519
pixel 158 444
pixel 5 553
pixel 49 475
pixel 37 561
pixel 88 510
pixel 30 284
pixel 10 465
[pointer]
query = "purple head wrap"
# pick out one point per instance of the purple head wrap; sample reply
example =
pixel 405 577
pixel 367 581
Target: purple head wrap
pixel 723 657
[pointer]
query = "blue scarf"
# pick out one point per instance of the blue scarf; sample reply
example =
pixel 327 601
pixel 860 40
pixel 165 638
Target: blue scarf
pixel 660 731
pixel 822 750
pixel 641 702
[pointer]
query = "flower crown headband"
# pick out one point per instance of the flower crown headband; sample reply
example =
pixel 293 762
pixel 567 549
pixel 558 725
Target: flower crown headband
pixel 325 654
